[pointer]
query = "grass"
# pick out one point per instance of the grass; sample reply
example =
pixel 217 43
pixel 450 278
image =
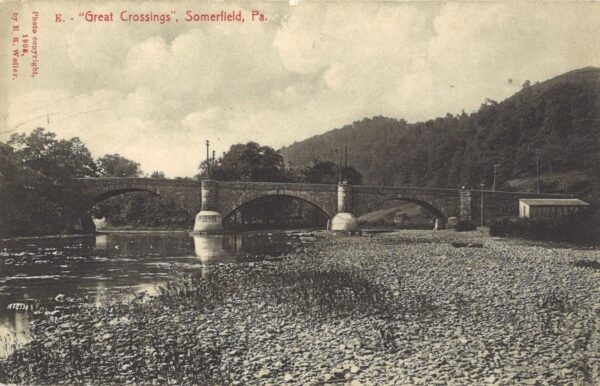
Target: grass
pixel 587 264
pixel 465 226
pixel 555 305
pixel 149 339
pixel 556 300
pixel 326 292
pixel 580 228
pixel 114 344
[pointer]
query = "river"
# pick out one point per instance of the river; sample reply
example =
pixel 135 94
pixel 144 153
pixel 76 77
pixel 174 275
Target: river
pixel 35 271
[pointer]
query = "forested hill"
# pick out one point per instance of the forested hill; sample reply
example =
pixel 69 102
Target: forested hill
pixel 560 117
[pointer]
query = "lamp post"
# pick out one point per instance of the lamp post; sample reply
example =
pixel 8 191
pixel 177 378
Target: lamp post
pixel 494 184
pixel 208 159
pixel 339 164
pixel 346 164
pixel 481 209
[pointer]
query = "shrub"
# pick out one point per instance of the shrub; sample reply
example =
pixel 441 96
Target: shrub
pixel 581 227
pixel 503 227
pixel 326 292
pixel 556 301
pixel 587 264
pixel 465 226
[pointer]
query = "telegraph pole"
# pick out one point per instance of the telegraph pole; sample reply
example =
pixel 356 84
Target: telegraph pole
pixel 537 169
pixel 339 164
pixel 207 159
pixel 346 164
pixel 481 209
pixel 494 185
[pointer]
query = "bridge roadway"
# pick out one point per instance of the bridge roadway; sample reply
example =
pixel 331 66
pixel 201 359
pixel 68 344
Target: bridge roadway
pixel 222 198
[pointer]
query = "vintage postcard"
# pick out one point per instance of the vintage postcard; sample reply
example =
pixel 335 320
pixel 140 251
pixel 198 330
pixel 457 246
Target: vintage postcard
pixel 300 192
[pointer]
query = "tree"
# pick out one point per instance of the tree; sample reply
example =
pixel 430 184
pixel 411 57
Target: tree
pixel 157 174
pixel 322 172
pixel 59 160
pixel 115 165
pixel 327 172
pixel 37 194
pixel 247 162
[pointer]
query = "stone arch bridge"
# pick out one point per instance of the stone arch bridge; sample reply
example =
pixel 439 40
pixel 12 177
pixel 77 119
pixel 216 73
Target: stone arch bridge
pixel 214 200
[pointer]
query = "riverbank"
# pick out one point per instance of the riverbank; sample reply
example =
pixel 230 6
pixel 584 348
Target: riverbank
pixel 412 307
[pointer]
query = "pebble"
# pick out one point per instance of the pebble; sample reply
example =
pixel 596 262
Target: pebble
pixel 473 317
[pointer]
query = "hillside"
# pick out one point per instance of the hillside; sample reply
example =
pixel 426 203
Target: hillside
pixel 560 117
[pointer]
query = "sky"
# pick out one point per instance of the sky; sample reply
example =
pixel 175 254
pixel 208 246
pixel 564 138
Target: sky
pixel 155 92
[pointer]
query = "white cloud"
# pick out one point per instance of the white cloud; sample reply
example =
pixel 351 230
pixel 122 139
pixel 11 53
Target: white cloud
pixel 154 92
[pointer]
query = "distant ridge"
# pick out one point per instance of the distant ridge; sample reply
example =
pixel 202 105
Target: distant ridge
pixel 559 117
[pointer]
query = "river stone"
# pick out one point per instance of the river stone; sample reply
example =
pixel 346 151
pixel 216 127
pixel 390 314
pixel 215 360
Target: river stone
pixel 264 373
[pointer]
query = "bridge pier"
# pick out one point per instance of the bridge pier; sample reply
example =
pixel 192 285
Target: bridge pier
pixel 465 204
pixel 208 220
pixel 344 220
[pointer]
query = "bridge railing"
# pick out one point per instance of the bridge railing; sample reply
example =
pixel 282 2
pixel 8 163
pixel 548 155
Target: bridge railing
pixel 280 185
pixel 137 181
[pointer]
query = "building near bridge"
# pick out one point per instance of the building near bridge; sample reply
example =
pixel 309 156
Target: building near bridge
pixel 549 207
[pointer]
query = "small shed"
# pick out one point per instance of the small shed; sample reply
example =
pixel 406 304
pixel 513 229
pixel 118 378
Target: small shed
pixel 549 207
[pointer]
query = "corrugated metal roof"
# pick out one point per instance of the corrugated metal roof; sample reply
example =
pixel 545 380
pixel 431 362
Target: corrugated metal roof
pixel 553 202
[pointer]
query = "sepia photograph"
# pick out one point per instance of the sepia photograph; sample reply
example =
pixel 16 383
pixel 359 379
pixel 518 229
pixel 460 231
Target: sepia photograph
pixel 300 192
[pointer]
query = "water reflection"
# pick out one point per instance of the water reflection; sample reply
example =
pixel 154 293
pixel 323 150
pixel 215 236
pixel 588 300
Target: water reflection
pixel 208 248
pixel 34 271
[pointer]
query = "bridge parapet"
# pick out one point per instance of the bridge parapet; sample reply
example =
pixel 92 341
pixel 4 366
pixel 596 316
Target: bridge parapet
pixel 270 186
pixel 397 189
pixel 107 182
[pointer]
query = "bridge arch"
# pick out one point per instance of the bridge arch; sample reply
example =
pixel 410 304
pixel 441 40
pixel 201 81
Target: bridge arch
pixel 184 192
pixel 232 208
pixel 117 192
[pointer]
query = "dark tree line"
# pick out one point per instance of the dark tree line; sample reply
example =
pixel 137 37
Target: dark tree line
pixel 37 195
pixel 253 162
pixel 559 118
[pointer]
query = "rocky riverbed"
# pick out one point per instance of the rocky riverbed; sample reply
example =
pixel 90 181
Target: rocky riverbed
pixel 406 308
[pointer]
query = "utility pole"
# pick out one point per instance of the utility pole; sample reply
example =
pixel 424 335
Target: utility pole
pixel 346 164
pixel 537 169
pixel 212 164
pixel 339 164
pixel 494 185
pixel 481 209
pixel 207 159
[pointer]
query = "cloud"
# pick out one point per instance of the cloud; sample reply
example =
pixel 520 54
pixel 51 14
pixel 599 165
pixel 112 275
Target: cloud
pixel 154 92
